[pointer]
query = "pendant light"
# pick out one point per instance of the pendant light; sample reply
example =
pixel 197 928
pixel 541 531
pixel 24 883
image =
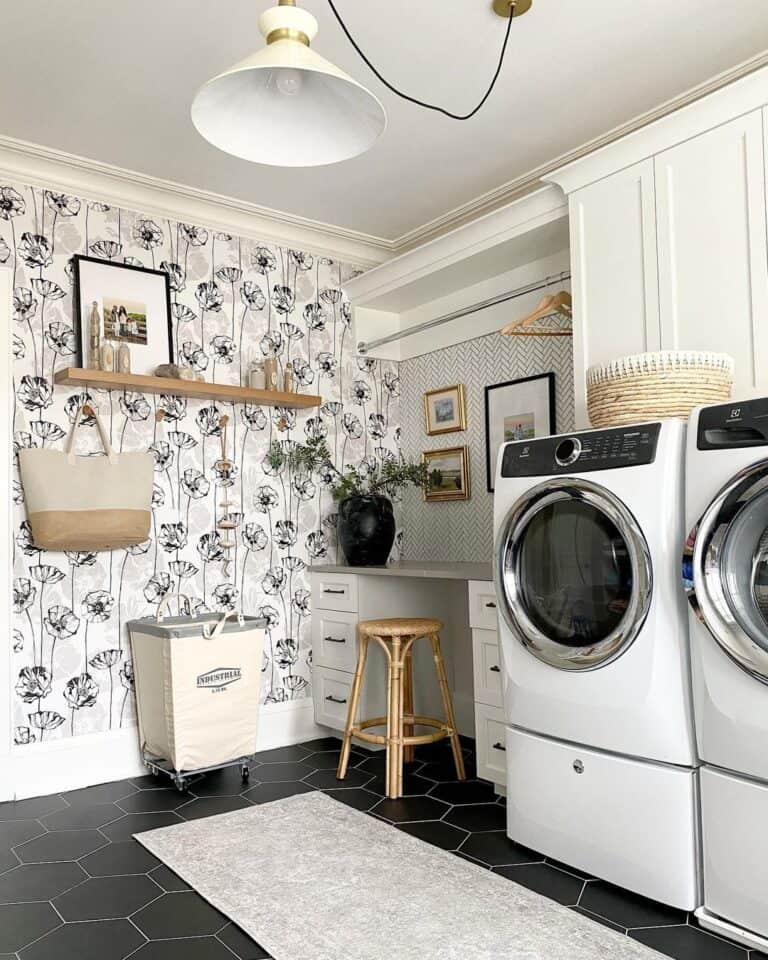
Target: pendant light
pixel 285 105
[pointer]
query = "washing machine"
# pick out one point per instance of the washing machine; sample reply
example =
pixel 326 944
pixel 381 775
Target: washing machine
pixel 725 571
pixel 601 755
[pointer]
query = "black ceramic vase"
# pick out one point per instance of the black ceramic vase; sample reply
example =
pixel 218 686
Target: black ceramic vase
pixel 366 530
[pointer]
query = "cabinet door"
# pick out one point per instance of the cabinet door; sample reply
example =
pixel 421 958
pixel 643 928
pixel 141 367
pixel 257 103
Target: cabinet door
pixel 614 281
pixel 713 264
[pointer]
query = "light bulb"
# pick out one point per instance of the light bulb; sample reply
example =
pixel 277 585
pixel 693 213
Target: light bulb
pixel 289 82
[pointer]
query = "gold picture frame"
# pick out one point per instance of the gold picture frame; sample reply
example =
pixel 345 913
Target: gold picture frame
pixel 452 465
pixel 445 410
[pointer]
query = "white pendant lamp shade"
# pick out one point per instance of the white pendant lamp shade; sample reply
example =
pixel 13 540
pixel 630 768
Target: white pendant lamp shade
pixel 286 105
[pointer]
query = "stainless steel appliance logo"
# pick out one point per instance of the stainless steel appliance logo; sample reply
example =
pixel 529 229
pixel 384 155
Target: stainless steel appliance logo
pixel 218 679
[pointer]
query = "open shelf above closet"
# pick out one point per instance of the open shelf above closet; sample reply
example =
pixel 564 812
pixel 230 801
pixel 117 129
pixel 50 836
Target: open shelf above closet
pixel 101 380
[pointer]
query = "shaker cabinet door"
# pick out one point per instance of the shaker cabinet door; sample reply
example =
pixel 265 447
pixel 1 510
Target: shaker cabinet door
pixel 614 280
pixel 713 262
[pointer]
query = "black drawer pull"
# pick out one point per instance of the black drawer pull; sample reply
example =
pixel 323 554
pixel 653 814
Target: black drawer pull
pixel 491 605
pixel 329 590
pixel 334 699
pixel 335 639
pixel 492 669
pixel 499 746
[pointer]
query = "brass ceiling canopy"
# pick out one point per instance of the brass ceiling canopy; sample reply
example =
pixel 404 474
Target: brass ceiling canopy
pixel 521 6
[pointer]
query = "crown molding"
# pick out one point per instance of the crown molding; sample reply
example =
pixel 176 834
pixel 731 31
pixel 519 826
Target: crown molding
pixel 534 179
pixel 46 167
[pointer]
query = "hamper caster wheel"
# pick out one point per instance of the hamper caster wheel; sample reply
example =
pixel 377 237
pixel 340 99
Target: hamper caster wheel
pixel 245 773
pixel 181 784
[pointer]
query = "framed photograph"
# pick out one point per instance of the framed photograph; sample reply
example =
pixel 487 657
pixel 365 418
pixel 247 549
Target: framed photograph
pixel 445 410
pixel 517 410
pixel 134 305
pixel 448 474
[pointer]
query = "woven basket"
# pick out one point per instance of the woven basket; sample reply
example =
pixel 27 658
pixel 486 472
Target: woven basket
pixel 654 386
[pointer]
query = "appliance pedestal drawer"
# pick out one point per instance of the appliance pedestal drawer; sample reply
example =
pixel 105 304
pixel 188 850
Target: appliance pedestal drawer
pixel 626 821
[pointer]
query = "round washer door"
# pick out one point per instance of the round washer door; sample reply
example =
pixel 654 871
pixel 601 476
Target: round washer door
pixel 725 569
pixel 573 574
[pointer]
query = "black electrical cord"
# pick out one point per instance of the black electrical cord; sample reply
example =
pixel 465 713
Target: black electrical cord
pixel 421 103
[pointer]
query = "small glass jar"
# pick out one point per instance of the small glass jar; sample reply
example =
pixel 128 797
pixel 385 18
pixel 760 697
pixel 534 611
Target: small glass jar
pixel 257 379
pixel 270 373
pixel 289 380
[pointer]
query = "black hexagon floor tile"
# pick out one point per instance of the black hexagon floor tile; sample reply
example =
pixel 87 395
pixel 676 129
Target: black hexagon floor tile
pixel 22 923
pixel 376 764
pixel 102 793
pixel 321 743
pixel 151 781
pixel 179 915
pixel 14 832
pixel 211 806
pixel 547 880
pixel 328 760
pixel 438 833
pixel 464 792
pixel 496 849
pixel 290 754
pixel 31 809
pixel 39 881
pixel 107 898
pixel 95 940
pixel 60 845
pixel 271 772
pixel 190 948
pixel 266 792
pixel 81 817
pixel 152 801
pixel 410 808
pixel 8 860
pixel 131 823
pixel 478 817
pixel 327 779
pixel 593 916
pixel 221 783
pixel 625 908
pixel 569 869
pixel 414 785
pixel 167 879
pixel 444 770
pixel 241 944
pixel 688 943
pixel 357 797
pixel 119 859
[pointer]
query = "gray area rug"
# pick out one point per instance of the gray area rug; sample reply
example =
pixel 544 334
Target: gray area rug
pixel 312 879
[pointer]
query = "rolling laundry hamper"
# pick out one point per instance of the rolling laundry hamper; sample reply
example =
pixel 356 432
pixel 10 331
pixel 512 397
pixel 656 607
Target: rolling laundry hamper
pixel 197 691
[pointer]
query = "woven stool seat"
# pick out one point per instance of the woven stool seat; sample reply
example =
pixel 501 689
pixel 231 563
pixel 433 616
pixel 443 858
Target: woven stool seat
pixel 396 637
pixel 400 627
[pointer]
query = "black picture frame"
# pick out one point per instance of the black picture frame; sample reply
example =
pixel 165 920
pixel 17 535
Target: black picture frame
pixel 550 378
pixel 79 319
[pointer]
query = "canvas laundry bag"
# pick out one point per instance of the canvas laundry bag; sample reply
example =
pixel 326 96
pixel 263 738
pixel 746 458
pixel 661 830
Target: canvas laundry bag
pixel 198 681
pixel 87 502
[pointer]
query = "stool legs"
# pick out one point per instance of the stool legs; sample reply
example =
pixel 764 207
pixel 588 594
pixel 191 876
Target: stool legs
pixel 354 700
pixel 458 756
pixel 394 783
pixel 409 752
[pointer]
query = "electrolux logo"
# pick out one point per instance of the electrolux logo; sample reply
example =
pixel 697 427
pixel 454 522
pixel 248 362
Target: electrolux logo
pixel 218 679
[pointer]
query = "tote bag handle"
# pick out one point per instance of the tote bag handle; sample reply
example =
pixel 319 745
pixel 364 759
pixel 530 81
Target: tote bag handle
pixel 213 633
pixel 164 603
pixel 102 434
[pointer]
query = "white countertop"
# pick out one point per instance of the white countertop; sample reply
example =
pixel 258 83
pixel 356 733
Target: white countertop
pixel 424 569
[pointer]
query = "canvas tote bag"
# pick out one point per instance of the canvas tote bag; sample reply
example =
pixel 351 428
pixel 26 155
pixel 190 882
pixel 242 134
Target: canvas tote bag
pixel 198 681
pixel 88 502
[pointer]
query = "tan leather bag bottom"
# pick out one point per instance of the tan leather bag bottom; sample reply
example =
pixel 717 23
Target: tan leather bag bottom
pixel 89 529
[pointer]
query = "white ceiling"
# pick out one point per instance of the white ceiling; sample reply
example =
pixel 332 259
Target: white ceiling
pixel 113 82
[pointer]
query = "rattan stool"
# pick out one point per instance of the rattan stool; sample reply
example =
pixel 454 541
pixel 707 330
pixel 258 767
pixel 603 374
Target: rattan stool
pixel 396 637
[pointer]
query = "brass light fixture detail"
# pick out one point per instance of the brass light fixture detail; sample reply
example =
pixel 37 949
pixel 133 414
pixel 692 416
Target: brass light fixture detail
pixel 502 7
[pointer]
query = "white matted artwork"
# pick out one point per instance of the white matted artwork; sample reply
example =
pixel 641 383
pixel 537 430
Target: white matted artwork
pixel 517 410
pixel 134 304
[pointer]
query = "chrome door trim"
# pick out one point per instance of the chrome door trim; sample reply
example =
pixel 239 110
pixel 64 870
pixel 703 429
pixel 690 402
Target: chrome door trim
pixel 702 577
pixel 507 555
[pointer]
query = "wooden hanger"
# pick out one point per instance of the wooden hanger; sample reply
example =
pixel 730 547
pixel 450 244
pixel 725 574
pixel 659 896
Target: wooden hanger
pixel 551 318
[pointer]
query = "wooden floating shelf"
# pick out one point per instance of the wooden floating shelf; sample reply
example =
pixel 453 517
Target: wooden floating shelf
pixel 101 380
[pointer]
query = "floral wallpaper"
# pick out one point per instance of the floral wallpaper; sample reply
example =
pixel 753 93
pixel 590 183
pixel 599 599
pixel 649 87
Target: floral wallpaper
pixel 232 299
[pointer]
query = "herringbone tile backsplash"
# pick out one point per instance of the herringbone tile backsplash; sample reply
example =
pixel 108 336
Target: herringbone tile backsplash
pixel 463 530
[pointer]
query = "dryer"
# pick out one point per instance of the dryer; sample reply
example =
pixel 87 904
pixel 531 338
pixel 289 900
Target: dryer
pixel 600 746
pixel 725 571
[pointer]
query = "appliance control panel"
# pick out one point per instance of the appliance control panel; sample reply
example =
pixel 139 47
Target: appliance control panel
pixel 733 425
pixel 582 452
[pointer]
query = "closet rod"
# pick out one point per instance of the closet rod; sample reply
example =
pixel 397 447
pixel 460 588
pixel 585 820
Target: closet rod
pixel 364 347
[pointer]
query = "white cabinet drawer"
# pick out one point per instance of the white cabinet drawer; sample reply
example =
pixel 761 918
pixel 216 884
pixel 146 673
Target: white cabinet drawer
pixel 334 639
pixel 331 691
pixel 334 591
pixel 491 741
pixel 486 657
pixel 482 605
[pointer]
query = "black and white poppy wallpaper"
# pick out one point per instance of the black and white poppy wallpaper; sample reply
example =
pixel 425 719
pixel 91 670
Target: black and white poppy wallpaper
pixel 233 300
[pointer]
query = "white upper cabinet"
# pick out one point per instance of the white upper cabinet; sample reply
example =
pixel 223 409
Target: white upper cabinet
pixel 614 276
pixel 712 256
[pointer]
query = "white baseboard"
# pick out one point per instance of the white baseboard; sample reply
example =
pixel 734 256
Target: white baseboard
pixel 76 762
